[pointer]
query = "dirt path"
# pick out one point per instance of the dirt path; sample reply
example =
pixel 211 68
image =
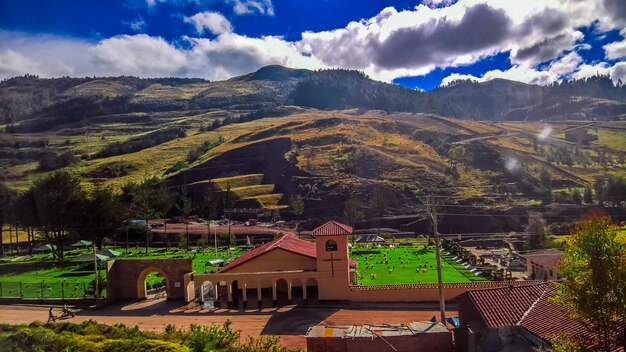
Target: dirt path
pixel 290 323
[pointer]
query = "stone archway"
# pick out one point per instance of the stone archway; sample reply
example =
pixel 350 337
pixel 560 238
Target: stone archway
pixel 142 292
pixel 282 292
pixel 297 291
pixel 126 277
pixel 311 291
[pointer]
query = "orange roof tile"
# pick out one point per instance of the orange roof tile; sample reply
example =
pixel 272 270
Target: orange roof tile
pixel 332 228
pixel 288 242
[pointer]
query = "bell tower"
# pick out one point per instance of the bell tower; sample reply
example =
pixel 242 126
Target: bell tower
pixel 333 261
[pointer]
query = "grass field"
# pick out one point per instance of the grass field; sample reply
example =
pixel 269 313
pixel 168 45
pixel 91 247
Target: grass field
pixel 407 265
pixel 27 276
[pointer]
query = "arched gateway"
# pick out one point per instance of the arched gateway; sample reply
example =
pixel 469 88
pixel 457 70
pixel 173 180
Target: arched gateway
pixel 126 279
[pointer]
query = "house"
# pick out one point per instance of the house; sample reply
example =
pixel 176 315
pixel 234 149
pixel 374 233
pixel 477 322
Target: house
pixel 543 264
pixel 515 318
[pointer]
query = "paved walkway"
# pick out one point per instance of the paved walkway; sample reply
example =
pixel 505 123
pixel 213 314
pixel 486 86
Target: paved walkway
pixel 290 323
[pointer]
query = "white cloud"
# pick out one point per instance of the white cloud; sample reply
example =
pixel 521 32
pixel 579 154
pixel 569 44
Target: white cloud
pixel 389 45
pixel 240 7
pixel 215 22
pixel 137 25
pixel 244 7
pixel 616 50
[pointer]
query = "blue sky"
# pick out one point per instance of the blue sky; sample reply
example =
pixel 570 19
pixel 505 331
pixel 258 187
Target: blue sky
pixel 405 42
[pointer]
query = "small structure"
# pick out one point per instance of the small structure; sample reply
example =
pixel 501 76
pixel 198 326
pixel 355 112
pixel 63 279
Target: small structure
pixel 515 318
pixel 414 337
pixel 370 238
pixel 109 252
pixel 580 136
pixel 45 248
pixel 81 244
pixel 543 264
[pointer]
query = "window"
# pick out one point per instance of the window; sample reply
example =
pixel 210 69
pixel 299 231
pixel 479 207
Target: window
pixel 331 246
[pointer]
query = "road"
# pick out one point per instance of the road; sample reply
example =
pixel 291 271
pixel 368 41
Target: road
pixel 290 323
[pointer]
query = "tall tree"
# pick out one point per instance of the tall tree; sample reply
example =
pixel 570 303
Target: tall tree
pixel 378 203
pixel 353 213
pixel 185 206
pixel 594 285
pixel 102 214
pixel 535 230
pixel 58 199
pixel 7 197
pixel 588 195
pixel 142 199
pixel 208 208
pixel 297 209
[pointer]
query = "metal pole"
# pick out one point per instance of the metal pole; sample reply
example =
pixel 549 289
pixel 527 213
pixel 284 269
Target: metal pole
pixel 433 216
pixel 215 241
pixel 127 230
pixel 63 290
pixel 95 264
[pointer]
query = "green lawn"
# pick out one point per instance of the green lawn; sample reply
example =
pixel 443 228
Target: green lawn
pixel 407 265
pixel 28 276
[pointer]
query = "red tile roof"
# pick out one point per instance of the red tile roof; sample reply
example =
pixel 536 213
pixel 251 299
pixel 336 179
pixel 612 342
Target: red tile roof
pixel 549 258
pixel 529 307
pixel 547 319
pixel 332 228
pixel 288 242
pixel 505 306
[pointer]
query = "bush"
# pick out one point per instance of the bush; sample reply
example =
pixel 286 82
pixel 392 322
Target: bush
pixel 145 141
pixel 56 161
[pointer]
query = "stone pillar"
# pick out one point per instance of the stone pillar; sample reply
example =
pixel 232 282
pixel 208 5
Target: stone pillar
pixel 304 291
pixel 274 294
pixel 230 294
pixel 245 295
pixel 289 299
pixel 258 295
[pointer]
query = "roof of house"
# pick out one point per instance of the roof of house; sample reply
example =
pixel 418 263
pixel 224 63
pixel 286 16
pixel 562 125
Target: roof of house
pixel 332 228
pixel 547 319
pixel 505 306
pixel 546 258
pixel 287 242
pixel 529 307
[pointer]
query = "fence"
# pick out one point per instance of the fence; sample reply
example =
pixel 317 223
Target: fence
pixel 47 290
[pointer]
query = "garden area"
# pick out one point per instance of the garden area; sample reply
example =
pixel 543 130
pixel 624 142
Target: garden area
pixel 407 265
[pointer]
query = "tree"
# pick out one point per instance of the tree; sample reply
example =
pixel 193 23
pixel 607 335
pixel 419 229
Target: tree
pixel 103 214
pixel 297 209
pixel 353 212
pixel 378 203
pixel 186 207
pixel 456 154
pixel 577 197
pixel 535 230
pixel 594 285
pixel 229 198
pixel 143 201
pixel 588 195
pixel 208 208
pixel 7 197
pixel 58 199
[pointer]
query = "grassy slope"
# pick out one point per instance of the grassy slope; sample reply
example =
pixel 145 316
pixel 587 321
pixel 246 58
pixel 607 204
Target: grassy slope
pixel 386 151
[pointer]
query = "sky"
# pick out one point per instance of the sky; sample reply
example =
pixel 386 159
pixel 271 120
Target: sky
pixel 417 44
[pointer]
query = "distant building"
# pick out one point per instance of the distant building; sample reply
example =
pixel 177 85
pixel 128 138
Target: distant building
pixel 543 264
pixel 580 136
pixel 414 337
pixel 516 318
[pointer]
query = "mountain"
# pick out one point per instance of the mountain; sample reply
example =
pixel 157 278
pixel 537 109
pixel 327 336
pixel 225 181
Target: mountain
pixel 65 100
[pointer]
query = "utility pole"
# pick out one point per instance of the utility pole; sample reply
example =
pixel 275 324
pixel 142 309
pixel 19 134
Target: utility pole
pixel 432 212
pixel 95 264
